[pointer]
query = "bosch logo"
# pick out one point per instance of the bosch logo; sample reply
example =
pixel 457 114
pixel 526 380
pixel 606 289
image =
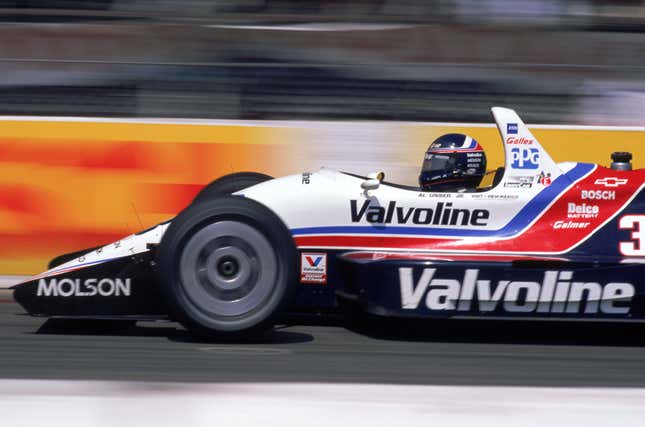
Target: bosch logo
pixel 525 158
pixel 611 182
pixel 597 195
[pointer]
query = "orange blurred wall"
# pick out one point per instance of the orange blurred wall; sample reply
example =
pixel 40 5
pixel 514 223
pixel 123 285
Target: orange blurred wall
pixel 67 185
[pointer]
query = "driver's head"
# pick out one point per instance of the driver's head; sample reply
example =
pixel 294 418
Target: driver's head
pixel 453 162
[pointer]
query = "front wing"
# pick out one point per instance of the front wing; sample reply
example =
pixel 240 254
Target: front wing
pixel 121 288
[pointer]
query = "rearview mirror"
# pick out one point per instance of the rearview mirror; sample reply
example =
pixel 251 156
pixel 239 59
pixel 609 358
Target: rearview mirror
pixel 373 181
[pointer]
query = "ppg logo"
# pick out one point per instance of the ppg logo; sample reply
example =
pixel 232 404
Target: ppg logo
pixel 525 158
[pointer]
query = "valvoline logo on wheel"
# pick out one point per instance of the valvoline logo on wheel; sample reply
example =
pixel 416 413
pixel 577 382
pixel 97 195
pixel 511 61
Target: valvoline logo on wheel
pixel 313 267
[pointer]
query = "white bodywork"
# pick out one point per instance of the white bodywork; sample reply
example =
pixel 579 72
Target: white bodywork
pixel 129 245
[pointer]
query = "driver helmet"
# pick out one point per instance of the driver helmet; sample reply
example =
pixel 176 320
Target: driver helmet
pixel 453 162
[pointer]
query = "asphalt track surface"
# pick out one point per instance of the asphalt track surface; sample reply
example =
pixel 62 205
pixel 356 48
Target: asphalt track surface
pixel 326 350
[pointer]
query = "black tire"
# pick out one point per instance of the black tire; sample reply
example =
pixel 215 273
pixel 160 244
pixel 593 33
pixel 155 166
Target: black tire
pixel 229 184
pixel 227 267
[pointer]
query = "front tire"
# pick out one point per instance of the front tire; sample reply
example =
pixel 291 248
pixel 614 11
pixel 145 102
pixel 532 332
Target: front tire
pixel 227 267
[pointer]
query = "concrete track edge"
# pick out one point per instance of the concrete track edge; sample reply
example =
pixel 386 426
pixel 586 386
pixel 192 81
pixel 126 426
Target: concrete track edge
pixel 91 403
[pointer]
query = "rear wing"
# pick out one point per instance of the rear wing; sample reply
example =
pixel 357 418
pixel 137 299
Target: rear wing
pixel 525 157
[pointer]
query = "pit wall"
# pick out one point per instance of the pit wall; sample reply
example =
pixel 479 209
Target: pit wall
pixel 67 184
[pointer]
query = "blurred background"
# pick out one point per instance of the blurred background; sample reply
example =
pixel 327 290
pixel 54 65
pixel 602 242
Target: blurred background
pixel 365 85
pixel 555 61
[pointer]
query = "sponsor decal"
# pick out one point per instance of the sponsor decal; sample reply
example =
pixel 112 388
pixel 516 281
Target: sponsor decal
pixel 441 214
pixel 313 267
pixel 611 182
pixel 544 179
pixel 519 182
pixel 525 158
pixel 511 128
pixel 561 225
pixel 597 195
pixel 518 185
pixel 306 177
pixel 513 140
pixel 105 287
pixel 555 292
pixel 582 211
pixel 474 160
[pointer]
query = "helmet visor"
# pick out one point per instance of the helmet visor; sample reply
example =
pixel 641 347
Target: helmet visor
pixel 437 163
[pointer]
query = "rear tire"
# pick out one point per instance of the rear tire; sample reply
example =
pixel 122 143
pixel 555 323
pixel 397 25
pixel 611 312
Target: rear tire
pixel 229 184
pixel 227 267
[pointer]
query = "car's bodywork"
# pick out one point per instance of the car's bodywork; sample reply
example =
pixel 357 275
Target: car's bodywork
pixel 546 241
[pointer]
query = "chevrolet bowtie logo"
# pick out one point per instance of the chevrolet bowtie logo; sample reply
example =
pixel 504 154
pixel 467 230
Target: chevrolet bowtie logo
pixel 611 182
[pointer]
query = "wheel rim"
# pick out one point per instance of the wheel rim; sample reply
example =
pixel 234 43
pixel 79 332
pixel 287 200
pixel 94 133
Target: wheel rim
pixel 227 269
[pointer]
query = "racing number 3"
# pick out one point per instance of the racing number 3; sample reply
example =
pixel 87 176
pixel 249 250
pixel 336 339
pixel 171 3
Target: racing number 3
pixel 636 223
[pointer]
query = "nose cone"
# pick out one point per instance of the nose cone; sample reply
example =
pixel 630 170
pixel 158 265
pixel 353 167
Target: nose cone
pixel 25 295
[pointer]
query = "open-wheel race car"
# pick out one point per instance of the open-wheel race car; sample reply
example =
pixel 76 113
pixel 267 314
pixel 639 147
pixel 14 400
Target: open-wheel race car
pixel 545 241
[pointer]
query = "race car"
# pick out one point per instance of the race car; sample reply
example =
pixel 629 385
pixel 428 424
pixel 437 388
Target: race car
pixel 545 241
